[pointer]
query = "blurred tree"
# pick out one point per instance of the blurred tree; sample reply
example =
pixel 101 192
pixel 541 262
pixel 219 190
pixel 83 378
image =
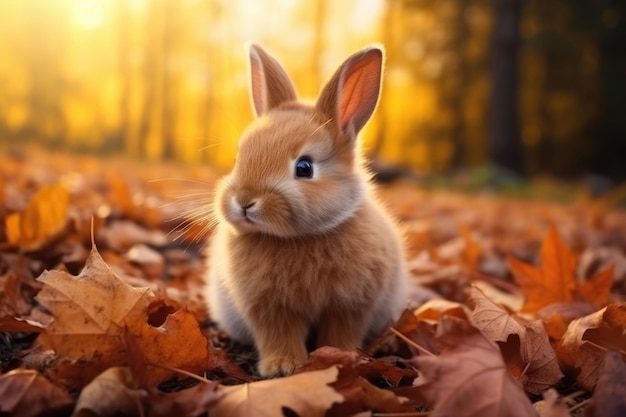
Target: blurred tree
pixel 505 146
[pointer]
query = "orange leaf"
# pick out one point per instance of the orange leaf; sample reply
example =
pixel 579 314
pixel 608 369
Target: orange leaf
pixel 597 289
pixel 44 217
pixel 554 282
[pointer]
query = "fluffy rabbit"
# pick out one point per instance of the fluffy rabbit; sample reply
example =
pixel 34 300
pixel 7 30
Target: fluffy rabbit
pixel 301 241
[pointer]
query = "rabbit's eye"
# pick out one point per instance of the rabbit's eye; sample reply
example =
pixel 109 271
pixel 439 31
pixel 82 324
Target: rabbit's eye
pixel 304 167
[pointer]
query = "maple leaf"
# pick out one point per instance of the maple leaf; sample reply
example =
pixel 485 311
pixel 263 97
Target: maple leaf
pixel 90 310
pixel 555 281
pixel 469 377
pixel 43 218
pixel 96 312
pixel 306 395
pixel 25 393
pixel 586 340
pixel 529 356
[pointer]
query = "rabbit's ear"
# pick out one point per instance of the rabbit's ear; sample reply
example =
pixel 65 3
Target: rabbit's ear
pixel 270 83
pixel 351 95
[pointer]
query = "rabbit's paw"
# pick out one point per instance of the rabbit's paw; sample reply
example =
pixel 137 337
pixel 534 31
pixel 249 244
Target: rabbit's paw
pixel 274 366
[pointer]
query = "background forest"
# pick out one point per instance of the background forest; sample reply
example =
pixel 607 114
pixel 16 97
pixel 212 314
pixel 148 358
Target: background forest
pixel 537 87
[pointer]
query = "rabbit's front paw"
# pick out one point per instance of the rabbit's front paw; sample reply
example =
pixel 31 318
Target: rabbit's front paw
pixel 277 366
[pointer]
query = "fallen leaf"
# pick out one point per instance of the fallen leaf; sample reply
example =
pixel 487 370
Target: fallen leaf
pixel 597 289
pixel 492 320
pixel 542 368
pixel 109 394
pixel 306 395
pixel 586 340
pixel 469 377
pixel 529 356
pixel 95 313
pixel 609 396
pixel 90 310
pixel 43 218
pixel 175 341
pixel 194 401
pixel 26 393
pixel 554 281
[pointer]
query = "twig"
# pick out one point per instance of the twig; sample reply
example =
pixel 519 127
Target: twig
pixel 182 372
pixel 519 378
pixel 573 395
pixel 580 405
pixel 412 343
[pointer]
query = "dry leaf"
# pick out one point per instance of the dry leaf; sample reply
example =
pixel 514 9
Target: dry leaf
pixel 43 218
pixel 609 396
pixel 492 320
pixel 96 312
pixel 90 310
pixel 109 394
pixel 194 401
pixel 469 378
pixel 554 281
pixel 586 340
pixel 540 358
pixel 306 394
pixel 25 393
pixel 529 356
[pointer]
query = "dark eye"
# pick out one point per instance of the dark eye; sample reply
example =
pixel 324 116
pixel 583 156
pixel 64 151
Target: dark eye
pixel 304 167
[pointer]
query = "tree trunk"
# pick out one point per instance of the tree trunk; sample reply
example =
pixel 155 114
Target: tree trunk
pixel 505 147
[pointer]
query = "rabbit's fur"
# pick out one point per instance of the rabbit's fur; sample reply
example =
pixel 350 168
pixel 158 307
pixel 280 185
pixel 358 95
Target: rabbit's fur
pixel 293 253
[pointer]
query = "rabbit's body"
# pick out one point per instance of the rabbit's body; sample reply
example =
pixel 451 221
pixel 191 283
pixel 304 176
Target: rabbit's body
pixel 301 241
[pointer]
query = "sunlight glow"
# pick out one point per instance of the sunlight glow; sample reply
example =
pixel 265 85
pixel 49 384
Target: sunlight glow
pixel 88 13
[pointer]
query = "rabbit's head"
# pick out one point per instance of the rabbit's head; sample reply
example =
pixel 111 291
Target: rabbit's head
pixel 298 171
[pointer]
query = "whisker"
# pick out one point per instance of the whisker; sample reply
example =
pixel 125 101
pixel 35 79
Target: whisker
pixel 192 180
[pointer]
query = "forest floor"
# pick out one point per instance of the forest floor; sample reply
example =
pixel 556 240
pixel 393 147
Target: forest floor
pixel 517 308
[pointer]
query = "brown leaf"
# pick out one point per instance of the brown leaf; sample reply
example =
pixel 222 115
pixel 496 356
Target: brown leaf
pixel 307 394
pixel 193 401
pixel 95 312
pixel 554 281
pixel 25 393
pixel 542 369
pixel 609 396
pixel 586 340
pixel 469 378
pixel 90 310
pixel 492 320
pixel 110 393
pixel 358 392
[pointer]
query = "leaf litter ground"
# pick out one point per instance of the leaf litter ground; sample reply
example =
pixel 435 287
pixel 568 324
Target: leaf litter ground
pixel 517 307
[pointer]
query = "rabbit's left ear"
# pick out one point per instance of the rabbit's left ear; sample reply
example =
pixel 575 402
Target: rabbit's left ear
pixel 351 95
pixel 271 85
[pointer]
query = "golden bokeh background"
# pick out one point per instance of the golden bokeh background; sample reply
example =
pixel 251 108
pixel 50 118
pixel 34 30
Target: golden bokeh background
pixel 167 79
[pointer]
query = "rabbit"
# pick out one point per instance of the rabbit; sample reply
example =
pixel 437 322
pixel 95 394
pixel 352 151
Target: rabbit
pixel 301 241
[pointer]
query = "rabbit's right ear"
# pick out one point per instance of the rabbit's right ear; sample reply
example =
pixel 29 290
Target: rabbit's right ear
pixel 271 85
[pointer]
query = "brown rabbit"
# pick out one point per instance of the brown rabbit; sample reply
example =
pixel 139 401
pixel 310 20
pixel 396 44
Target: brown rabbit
pixel 301 241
